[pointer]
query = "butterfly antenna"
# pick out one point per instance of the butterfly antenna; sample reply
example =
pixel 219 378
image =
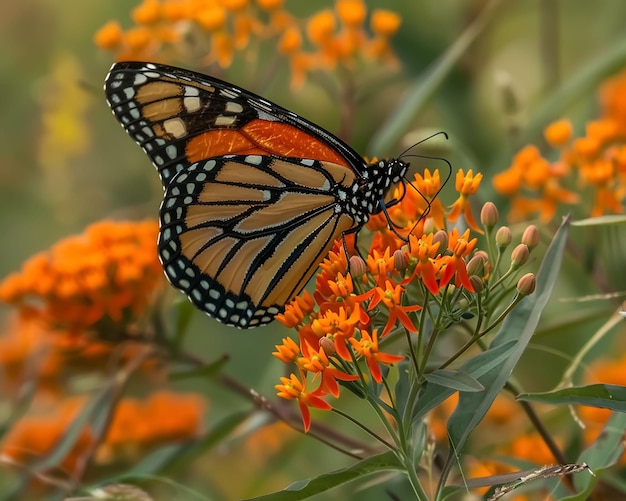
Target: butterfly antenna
pixel 428 138
pixel 448 176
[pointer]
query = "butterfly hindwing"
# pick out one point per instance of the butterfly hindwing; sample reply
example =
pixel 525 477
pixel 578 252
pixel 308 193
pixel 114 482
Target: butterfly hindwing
pixel 242 249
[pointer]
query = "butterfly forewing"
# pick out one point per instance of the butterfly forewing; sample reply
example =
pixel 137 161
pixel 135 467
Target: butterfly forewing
pixel 255 195
pixel 178 117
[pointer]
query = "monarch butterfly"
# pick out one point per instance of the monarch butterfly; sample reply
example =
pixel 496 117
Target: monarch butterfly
pixel 255 195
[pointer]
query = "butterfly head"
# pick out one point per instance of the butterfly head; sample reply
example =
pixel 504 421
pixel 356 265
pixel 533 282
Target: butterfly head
pixel 378 179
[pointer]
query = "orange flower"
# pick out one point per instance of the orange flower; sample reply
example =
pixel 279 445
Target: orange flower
pixel 287 352
pixel 297 310
pixel 111 271
pixel 422 252
pixel 110 36
pixel 147 13
pixel 293 389
pixel 461 246
pixel 351 12
pixel 466 185
pixel 391 297
pixel 429 186
pixel 339 325
pixel 134 427
pixel 367 346
pixel 381 266
pixel 559 133
pixel 385 23
pixel 317 362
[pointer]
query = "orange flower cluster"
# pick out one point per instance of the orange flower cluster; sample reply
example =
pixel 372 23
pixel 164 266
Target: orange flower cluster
pixel 110 272
pixel 336 326
pixel 136 427
pixel 230 26
pixel 595 161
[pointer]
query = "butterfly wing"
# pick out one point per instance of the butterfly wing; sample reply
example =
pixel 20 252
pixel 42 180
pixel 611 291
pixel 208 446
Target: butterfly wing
pixel 179 117
pixel 255 195
pixel 242 235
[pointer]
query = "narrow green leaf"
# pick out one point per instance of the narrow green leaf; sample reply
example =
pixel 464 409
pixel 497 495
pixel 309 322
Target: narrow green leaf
pixel 519 325
pixel 306 488
pixel 434 394
pixel 91 414
pixel 603 453
pixel 607 396
pixel 456 380
pixel 602 220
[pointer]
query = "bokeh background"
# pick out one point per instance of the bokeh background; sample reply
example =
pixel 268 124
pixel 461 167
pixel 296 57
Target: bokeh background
pixel 66 163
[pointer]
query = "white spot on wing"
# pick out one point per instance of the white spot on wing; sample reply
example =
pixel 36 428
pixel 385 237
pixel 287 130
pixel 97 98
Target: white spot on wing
pixel 175 127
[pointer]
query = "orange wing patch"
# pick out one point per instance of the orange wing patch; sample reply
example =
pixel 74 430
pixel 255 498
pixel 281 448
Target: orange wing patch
pixel 261 137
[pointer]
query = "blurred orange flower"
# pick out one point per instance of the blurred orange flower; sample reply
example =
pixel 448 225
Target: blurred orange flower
pixel 109 273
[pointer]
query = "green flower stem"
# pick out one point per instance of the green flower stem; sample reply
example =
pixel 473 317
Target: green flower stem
pixel 360 425
pixel 518 297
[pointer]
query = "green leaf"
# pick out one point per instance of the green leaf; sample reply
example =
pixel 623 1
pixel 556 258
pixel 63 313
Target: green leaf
pixel 601 220
pixel 607 396
pixel 519 325
pixel 456 380
pixel 603 453
pixel 306 488
pixel 434 394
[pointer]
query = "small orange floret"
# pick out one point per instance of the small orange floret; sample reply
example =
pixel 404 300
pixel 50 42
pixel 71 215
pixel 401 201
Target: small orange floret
pixel 385 23
pixel 321 27
pixel 559 133
pixel 147 13
pixel 138 38
pixel 351 12
pixel 291 41
pixel 212 17
pixel 110 36
pixel 270 4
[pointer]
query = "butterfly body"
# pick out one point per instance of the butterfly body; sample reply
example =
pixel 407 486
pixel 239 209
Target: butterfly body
pixel 255 196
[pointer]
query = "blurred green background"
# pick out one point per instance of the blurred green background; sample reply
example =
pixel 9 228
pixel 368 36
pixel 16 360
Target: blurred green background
pixel 65 162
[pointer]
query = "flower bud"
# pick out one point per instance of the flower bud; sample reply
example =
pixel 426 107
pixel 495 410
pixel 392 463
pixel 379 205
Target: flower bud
pixel 503 237
pixel 442 237
pixel 400 261
pixel 520 255
pixel 526 285
pixel 430 225
pixel 358 268
pixel 531 237
pixel 477 283
pixel 484 255
pixel 489 215
pixel 328 345
pixel 476 266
